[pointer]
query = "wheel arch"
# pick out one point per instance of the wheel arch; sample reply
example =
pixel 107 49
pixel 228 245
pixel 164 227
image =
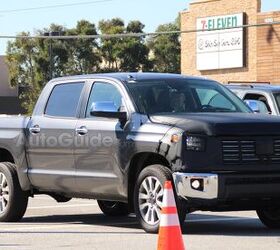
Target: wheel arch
pixel 19 161
pixel 137 164
pixel 6 155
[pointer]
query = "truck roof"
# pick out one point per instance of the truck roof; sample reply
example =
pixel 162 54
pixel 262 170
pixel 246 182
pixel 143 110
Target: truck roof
pixel 129 76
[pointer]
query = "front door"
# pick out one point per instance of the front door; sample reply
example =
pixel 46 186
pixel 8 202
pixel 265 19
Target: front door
pixel 100 141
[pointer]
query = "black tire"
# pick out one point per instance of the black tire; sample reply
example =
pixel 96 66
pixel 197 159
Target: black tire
pixel 60 198
pixel 162 174
pixel 270 217
pixel 18 199
pixel 113 208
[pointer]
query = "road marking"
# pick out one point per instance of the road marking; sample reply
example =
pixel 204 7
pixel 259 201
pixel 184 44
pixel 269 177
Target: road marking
pixel 63 206
pixel 30 228
pixel 36 228
pixel 219 219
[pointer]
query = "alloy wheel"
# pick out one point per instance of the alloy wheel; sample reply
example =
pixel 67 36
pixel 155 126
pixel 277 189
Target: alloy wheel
pixel 4 193
pixel 150 200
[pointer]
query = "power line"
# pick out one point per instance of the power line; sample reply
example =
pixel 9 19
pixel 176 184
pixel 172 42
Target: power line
pixel 126 35
pixel 53 6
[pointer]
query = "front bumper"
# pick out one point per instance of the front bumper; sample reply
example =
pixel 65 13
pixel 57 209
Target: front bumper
pixel 227 187
pixel 208 188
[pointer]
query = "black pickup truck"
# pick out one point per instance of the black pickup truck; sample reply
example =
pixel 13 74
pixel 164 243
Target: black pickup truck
pixel 118 137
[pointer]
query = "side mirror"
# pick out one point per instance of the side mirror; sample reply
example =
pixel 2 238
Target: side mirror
pixel 107 110
pixel 257 106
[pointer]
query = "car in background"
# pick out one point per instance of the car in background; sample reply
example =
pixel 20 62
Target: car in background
pixel 260 97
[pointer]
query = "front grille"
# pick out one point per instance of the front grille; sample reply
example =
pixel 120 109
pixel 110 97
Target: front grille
pixel 244 152
pixel 276 156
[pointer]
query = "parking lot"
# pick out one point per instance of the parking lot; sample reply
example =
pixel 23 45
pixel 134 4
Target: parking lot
pixel 80 224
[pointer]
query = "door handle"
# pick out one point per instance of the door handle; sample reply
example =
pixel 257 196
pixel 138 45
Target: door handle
pixel 35 129
pixel 82 130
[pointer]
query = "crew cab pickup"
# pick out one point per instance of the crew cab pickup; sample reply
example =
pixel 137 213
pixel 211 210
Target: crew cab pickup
pixel 118 137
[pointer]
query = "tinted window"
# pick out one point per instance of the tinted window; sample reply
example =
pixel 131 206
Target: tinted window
pixel 184 96
pixel 64 100
pixel 104 92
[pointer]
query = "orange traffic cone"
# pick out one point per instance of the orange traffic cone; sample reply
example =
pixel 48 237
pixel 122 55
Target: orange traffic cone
pixel 170 234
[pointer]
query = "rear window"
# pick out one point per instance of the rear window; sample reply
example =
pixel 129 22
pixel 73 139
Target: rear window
pixel 64 100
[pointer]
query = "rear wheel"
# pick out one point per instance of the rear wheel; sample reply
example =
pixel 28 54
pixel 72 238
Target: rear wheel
pixel 13 201
pixel 270 217
pixel 113 208
pixel 148 197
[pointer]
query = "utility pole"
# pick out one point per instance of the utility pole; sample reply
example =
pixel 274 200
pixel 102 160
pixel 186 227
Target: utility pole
pixel 51 57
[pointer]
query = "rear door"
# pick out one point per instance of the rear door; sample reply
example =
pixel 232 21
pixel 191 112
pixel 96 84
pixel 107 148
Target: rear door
pixel 51 139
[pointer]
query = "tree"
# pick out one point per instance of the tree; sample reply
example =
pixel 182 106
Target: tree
pixel 29 63
pixel 133 53
pixel 84 55
pixel 21 61
pixel 166 49
pixel 33 62
pixel 123 53
pixel 110 47
pixel 52 54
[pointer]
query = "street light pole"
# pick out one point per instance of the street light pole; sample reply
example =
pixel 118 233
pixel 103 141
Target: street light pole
pixel 51 58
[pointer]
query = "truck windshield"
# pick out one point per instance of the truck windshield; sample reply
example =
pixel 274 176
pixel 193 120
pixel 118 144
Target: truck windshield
pixel 184 96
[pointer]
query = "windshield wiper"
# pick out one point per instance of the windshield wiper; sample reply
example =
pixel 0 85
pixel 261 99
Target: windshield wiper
pixel 209 108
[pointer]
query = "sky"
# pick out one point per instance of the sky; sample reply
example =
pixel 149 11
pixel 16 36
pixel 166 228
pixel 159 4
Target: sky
pixel 150 12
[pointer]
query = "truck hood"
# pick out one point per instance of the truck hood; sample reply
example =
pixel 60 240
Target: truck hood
pixel 222 124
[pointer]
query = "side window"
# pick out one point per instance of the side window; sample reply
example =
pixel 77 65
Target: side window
pixel 260 98
pixel 64 100
pixel 104 92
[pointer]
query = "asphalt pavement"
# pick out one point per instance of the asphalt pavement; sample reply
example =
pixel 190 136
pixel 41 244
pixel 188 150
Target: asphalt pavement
pixel 79 224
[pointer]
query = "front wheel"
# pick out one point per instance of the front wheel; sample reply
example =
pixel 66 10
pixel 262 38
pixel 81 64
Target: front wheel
pixel 270 217
pixel 113 208
pixel 148 197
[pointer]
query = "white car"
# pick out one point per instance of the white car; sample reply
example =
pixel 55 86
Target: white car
pixel 261 98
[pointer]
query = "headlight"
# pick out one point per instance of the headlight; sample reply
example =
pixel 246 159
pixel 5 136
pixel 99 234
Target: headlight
pixel 195 143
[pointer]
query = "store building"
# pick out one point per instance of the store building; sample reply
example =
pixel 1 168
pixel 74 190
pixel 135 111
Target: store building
pixel 9 100
pixel 223 51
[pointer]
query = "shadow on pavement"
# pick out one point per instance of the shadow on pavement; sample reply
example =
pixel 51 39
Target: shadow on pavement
pixel 196 224
pixel 86 219
pixel 44 224
pixel 199 224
